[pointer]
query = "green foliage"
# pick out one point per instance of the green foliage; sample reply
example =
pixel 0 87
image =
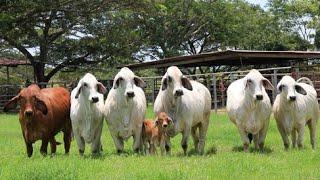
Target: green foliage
pixel 223 160
pixel 79 36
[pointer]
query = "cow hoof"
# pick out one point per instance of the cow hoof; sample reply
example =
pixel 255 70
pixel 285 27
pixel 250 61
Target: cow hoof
pixel 167 148
pixel 137 150
pixel 286 146
pixel 96 153
pixel 119 151
pixel 81 152
pixel 184 147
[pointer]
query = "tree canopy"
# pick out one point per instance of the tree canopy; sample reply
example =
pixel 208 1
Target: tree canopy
pixel 101 34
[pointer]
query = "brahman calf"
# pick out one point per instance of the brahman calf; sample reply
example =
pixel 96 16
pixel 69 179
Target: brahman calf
pixel 86 113
pixel 249 108
pixel 188 103
pixel 294 107
pixel 43 113
pixel 125 109
pixel 154 133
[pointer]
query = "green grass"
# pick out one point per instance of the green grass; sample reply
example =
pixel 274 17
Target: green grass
pixel 223 159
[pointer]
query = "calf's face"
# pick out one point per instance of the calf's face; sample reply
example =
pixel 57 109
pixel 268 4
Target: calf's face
pixel 175 82
pixel 30 102
pixel 125 82
pixel 163 121
pixel 289 88
pixel 89 88
pixel 256 84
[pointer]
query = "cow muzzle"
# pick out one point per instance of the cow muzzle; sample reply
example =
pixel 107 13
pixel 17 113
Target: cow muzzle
pixel 130 94
pixel 178 93
pixel 28 113
pixel 259 97
pixel 94 99
pixel 292 98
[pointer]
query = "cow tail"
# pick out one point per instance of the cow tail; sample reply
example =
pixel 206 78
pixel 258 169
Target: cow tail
pixel 305 80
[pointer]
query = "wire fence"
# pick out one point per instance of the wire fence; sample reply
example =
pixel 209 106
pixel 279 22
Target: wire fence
pixel 217 83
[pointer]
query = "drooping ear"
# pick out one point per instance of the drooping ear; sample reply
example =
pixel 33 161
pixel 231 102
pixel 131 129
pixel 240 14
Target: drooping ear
pixel 78 92
pixel 300 89
pixel 247 82
pixel 41 105
pixel 280 87
pixel 12 103
pixel 100 88
pixel 164 84
pixel 186 83
pixel 139 82
pixel 117 83
pixel 170 120
pixel 156 122
pixel 267 84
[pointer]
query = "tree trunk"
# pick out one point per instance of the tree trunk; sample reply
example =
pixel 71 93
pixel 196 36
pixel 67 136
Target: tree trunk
pixel 39 73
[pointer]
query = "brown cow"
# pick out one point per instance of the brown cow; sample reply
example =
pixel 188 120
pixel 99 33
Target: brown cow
pixel 154 133
pixel 43 113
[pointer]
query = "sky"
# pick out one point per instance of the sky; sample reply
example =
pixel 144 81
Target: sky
pixel 262 3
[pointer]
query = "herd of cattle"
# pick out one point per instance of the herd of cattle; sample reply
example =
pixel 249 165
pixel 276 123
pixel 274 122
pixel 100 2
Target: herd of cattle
pixel 182 106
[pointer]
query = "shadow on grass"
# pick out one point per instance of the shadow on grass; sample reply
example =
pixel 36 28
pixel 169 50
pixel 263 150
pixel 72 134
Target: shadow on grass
pixel 211 151
pixel 266 150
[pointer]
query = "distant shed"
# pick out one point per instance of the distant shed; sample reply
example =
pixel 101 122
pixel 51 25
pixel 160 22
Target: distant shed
pixel 231 58
pixel 11 62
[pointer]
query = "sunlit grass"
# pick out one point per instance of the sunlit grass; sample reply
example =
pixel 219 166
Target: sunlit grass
pixel 223 160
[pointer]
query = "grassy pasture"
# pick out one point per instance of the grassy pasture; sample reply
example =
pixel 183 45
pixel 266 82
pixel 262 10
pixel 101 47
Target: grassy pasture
pixel 223 160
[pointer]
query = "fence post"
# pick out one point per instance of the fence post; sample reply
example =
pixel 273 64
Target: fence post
pixel 153 90
pixel 214 85
pixel 297 73
pixel 274 83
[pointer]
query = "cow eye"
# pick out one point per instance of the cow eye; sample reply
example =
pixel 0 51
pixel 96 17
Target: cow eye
pixel 169 78
pixel 249 81
pixel 85 84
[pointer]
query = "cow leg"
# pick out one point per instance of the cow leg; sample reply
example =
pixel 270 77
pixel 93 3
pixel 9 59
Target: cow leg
pixel 53 145
pixel 203 129
pixel 44 146
pixel 284 135
pixel 153 150
pixel 146 147
pixel 300 135
pixel 312 125
pixel 118 142
pixel 29 148
pixel 195 137
pixel 262 136
pixel 137 141
pixel 294 138
pixel 80 142
pixel 162 146
pixel 96 144
pixel 185 138
pixel 28 145
pixel 67 137
pixel 256 141
pixel 244 138
pixel 168 146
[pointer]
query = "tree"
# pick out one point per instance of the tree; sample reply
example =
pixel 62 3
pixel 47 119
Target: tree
pixel 53 35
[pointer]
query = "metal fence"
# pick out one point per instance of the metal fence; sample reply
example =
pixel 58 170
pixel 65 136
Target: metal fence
pixel 217 83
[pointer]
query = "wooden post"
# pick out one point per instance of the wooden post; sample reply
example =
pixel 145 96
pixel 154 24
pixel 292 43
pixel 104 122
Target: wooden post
pixel 297 73
pixel 214 85
pixel 274 83
pixel 154 89
pixel 8 78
